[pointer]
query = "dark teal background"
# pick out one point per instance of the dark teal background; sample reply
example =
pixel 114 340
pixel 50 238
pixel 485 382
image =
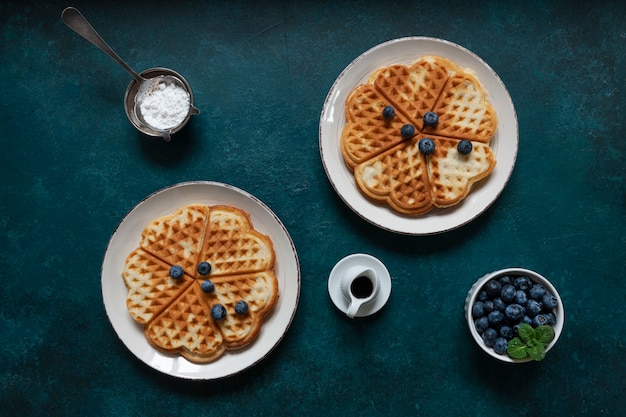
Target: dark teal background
pixel 72 166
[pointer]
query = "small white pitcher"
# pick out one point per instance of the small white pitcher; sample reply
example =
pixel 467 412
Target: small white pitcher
pixel 360 287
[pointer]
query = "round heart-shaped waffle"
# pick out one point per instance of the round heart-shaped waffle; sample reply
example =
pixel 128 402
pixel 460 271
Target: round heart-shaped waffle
pixel 227 266
pixel 388 165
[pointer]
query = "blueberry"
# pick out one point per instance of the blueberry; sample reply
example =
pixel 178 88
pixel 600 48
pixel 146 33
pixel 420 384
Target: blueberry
pixel 481 324
pixel 507 332
pixel 500 345
pixel 426 146
pixel 508 293
pixel 549 301
pixel 539 320
pixel 478 309
pixel 537 292
pixel 207 286
pixel 241 307
pixel 483 296
pixel 176 272
pixel 505 279
pixel 495 317
pixel 388 113
pixel 533 307
pixel 464 147
pixel 526 319
pixel 520 297
pixel 514 312
pixel 522 283
pixel 487 306
pixel 431 118
pixel 551 318
pixel 204 268
pixel 218 312
pixel 493 288
pixel 407 131
pixel 498 304
pixel 489 336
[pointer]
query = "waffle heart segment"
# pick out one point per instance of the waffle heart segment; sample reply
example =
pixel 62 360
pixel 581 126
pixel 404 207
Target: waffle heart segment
pixel 463 110
pixel 177 239
pixel 414 90
pixel 398 177
pixel 186 327
pixel 367 132
pixel 150 286
pixel 258 291
pixel 451 173
pixel 231 246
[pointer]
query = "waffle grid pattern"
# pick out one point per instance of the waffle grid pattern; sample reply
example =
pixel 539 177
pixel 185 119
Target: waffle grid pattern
pixel 369 134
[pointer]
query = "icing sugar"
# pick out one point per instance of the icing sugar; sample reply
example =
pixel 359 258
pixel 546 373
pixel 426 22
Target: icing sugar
pixel 165 107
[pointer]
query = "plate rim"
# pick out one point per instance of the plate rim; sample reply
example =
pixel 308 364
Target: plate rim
pixel 204 372
pixel 386 225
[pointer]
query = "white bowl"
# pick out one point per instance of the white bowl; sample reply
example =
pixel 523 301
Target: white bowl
pixel 472 295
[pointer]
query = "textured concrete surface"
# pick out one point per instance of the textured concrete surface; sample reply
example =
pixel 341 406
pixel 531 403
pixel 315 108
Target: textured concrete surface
pixel 72 166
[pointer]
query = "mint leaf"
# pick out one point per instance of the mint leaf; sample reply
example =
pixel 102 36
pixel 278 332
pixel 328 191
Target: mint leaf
pixel 526 332
pixel 517 349
pixel 531 342
pixel 537 352
pixel 544 334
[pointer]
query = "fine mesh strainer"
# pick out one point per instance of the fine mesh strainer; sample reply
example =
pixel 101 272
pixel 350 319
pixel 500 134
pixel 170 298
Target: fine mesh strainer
pixel 134 96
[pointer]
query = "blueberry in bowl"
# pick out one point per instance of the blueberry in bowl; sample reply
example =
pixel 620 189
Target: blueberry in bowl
pixel 514 315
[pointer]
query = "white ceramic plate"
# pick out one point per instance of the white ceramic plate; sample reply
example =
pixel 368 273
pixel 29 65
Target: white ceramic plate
pixel 126 237
pixel 407 51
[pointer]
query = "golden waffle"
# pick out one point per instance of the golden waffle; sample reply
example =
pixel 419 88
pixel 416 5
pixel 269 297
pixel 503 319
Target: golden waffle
pixel 462 110
pixel 452 174
pixel 258 290
pixel 150 287
pixel 231 246
pixel 414 90
pixel 176 311
pixel 186 326
pixel 398 177
pixel 177 239
pixel 367 133
pixel 389 167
